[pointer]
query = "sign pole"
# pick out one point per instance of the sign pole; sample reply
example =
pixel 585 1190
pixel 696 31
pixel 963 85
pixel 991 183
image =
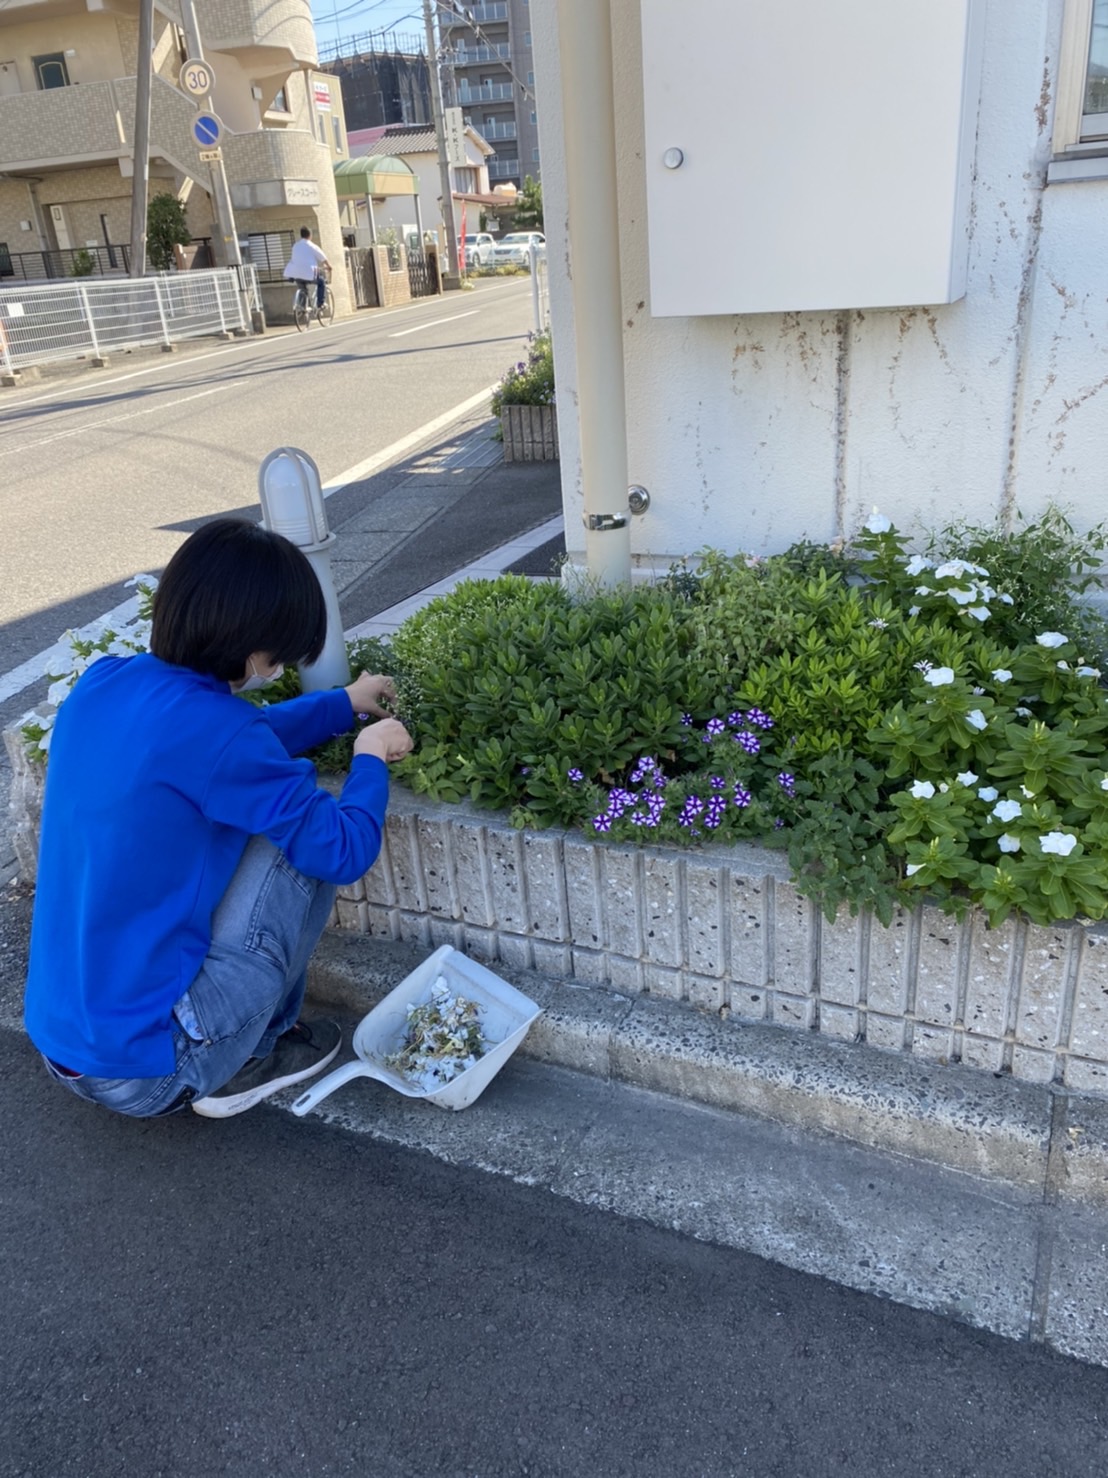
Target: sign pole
pixel 452 275
pixel 218 187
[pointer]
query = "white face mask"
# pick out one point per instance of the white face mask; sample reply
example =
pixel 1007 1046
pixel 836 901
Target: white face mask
pixel 256 679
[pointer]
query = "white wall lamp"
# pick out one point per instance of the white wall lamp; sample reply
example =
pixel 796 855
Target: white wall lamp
pixel 291 496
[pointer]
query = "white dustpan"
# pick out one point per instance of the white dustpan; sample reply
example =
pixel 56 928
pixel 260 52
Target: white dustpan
pixel 506 1015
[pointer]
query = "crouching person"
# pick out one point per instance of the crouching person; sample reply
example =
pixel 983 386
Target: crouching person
pixel 188 861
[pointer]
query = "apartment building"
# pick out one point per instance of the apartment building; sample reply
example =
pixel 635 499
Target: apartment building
pixel 489 53
pixel 67 117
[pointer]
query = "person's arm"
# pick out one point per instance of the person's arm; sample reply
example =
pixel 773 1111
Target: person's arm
pixel 256 788
pixel 302 723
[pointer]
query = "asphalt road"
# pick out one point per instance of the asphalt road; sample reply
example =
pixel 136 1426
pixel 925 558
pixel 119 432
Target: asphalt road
pixel 268 1295
pixel 106 472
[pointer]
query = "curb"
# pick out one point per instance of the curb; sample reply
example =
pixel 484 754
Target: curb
pixel 978 1199
pixel 1041 1140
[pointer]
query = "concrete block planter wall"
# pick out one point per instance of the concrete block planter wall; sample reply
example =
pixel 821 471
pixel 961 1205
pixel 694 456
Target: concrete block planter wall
pixel 530 433
pixel 721 929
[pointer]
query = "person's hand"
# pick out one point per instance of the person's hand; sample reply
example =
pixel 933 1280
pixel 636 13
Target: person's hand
pixel 372 693
pixel 388 739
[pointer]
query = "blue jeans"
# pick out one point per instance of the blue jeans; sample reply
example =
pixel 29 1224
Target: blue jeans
pixel 249 989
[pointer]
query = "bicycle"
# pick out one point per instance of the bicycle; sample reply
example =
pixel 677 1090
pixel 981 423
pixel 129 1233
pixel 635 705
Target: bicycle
pixel 303 314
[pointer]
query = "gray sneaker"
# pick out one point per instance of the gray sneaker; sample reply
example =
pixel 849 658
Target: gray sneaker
pixel 300 1053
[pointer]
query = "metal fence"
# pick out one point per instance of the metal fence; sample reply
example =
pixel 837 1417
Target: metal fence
pixel 42 323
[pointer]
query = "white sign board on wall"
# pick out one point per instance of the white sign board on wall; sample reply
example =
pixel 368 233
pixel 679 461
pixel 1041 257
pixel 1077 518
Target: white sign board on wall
pixel 828 142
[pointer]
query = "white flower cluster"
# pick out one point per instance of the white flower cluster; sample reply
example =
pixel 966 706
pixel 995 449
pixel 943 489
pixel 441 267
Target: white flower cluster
pixel 443 1039
pixel 121 638
pixel 1051 843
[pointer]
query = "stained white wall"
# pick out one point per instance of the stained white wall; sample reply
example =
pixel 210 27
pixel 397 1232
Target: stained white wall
pixel 751 431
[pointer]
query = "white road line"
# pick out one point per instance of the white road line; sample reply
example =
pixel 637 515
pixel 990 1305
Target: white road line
pixel 280 333
pixel 434 323
pixel 405 444
pixel 147 410
pixel 34 668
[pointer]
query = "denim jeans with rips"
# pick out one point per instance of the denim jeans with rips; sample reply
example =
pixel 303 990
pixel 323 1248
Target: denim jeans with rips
pixel 249 989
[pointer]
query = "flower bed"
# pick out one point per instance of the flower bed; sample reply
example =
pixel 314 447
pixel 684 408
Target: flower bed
pixel 922 735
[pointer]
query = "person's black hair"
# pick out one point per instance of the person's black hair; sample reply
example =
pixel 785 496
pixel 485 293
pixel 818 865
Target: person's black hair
pixel 234 588
pixel 305 231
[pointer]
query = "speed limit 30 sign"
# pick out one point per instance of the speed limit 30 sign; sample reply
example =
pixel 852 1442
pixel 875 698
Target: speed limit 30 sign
pixel 197 78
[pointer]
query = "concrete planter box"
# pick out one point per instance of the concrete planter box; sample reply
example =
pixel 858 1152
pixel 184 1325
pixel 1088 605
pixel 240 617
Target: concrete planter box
pixel 530 433
pixel 720 930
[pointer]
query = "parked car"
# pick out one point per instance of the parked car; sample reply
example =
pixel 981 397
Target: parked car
pixel 514 250
pixel 479 249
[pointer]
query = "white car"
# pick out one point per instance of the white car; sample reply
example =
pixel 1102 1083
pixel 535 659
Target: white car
pixel 514 250
pixel 479 249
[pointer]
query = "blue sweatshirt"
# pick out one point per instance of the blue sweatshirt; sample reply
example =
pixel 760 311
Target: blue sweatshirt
pixel 158 777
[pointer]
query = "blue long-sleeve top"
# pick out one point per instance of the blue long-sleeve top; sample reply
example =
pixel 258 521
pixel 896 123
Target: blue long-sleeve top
pixel 158 777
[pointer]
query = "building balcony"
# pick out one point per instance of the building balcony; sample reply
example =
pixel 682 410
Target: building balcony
pixel 61 125
pixel 483 15
pixel 476 56
pixel 504 169
pixel 493 131
pixel 263 34
pixel 493 92
pixel 274 167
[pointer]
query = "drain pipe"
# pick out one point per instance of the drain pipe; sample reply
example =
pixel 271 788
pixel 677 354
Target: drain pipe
pixel 588 120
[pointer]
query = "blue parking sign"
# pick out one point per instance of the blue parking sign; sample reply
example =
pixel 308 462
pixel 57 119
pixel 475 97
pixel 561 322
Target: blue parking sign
pixel 206 129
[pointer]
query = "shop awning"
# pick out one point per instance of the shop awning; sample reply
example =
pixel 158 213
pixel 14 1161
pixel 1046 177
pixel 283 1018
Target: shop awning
pixel 375 174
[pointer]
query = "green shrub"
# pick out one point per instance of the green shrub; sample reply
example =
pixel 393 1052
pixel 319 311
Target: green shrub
pixel 530 381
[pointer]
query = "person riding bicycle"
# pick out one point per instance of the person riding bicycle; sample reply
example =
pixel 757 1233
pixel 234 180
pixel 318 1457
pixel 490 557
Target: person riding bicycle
pixel 304 267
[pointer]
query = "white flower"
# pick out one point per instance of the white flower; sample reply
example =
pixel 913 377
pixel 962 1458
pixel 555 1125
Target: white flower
pixel 1001 675
pixel 1104 783
pixel 938 677
pixel 877 523
pixel 1008 843
pixel 912 868
pixel 977 692
pixel 963 597
pixel 44 742
pixel 923 790
pixel 1062 666
pixel 1051 639
pixel 1060 843
pixel 1007 599
pixel 954 569
pixel 943 787
pixel 881 625
pixel 1088 672
pixel 979 613
pixel 917 564
pixel 913 610
pixel 924 590
pixel 988 793
pixel 1028 795
pixel 967 777
pixel 976 719
pixel 151 580
pixel 1022 712
pixel 1006 811
pixel 58 692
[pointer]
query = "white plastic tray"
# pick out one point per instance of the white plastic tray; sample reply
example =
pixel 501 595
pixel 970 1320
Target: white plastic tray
pixel 506 1016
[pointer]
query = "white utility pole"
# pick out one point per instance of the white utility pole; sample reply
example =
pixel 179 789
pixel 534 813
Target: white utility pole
pixel 588 111
pixel 452 276
pixel 140 184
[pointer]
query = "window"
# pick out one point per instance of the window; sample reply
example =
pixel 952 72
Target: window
pixel 527 38
pixel 535 155
pixel 51 70
pixel 1081 111
pixel 530 79
pixel 534 116
pixel 322 128
pixel 280 103
pixel 338 134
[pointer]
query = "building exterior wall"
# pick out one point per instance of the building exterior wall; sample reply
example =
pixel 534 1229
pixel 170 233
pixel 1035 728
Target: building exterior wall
pixel 76 142
pixel 751 431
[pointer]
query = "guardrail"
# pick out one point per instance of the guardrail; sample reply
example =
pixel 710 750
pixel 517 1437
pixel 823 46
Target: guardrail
pixel 43 323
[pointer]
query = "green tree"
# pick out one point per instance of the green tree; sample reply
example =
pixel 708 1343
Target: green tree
pixel 165 228
pixel 529 207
